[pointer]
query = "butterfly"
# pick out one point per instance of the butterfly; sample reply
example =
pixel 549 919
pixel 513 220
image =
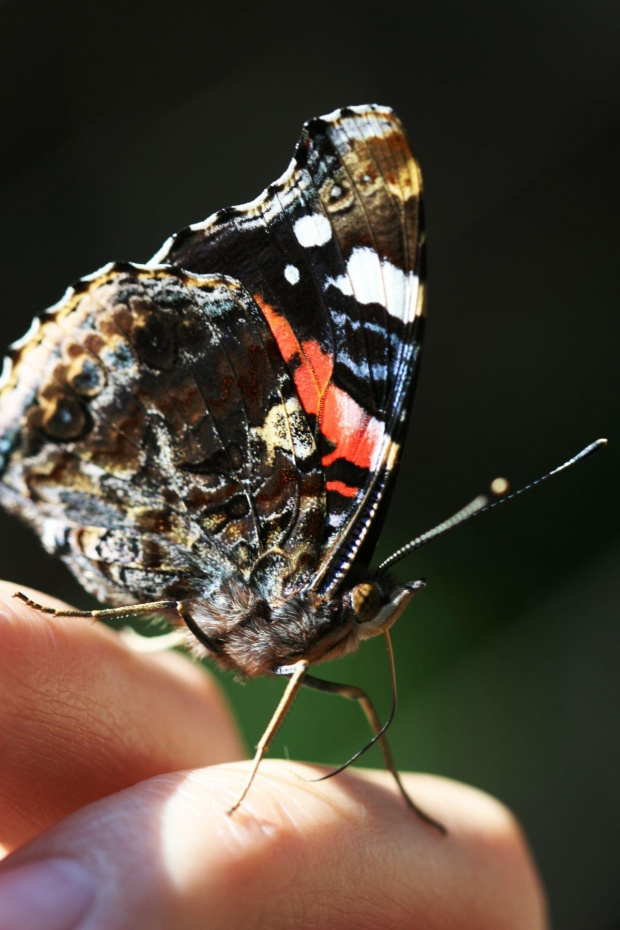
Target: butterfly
pixel 212 437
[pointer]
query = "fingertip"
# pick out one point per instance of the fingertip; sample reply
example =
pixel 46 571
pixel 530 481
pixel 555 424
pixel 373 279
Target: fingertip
pixel 347 852
pixel 83 716
pixel 486 850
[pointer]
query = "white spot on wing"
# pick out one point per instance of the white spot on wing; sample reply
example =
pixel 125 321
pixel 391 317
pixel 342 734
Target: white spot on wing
pixel 7 368
pixel 33 329
pixel 374 281
pixel 312 229
pixel 336 520
pixel 52 534
pixel 342 282
pixel 291 273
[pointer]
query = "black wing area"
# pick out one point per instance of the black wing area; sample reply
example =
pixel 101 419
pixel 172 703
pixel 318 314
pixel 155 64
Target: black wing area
pixel 332 254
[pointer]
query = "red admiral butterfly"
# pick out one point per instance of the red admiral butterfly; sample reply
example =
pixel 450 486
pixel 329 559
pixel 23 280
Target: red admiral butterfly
pixel 212 436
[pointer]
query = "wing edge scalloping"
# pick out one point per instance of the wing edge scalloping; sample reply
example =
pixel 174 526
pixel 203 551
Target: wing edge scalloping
pixel 265 195
pixel 70 300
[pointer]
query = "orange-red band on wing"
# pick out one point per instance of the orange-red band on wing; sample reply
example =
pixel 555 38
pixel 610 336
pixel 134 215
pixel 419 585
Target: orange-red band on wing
pixel 341 488
pixel 355 435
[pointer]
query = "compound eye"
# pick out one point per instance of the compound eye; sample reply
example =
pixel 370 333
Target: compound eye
pixel 366 601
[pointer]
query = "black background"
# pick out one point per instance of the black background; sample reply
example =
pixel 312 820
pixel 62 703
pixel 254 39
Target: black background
pixel 123 122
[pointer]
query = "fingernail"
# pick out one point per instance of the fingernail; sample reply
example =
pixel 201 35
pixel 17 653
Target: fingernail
pixel 51 893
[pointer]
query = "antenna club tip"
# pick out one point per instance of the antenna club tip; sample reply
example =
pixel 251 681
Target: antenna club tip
pixel 593 447
pixel 499 486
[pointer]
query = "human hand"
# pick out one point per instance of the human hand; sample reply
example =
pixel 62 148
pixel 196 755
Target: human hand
pixel 116 772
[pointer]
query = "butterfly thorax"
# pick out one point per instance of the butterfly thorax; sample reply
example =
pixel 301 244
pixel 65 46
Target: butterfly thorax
pixel 246 633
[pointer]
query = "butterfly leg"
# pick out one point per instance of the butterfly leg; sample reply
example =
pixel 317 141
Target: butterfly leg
pixel 297 673
pixel 356 694
pixel 107 613
pixel 132 639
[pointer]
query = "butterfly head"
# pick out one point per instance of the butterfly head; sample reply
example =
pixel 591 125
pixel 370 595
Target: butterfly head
pixel 376 605
pixel 334 627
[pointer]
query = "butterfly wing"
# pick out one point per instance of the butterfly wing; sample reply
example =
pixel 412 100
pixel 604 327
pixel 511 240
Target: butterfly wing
pixel 332 254
pixel 152 435
pixel 165 428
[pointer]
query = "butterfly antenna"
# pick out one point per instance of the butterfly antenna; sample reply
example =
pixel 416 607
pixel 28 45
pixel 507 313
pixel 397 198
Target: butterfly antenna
pixel 482 503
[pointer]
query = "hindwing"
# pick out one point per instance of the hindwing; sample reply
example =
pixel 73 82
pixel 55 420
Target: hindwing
pixel 152 434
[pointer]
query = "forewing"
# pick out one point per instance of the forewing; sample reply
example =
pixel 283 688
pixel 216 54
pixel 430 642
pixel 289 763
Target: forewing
pixel 152 435
pixel 332 254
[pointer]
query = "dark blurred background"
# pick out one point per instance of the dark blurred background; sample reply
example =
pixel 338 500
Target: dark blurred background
pixel 122 122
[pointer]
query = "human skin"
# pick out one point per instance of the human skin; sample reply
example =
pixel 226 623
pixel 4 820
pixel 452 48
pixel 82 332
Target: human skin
pixel 116 772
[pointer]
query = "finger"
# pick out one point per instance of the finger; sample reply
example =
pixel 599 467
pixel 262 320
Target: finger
pixel 341 855
pixel 83 716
